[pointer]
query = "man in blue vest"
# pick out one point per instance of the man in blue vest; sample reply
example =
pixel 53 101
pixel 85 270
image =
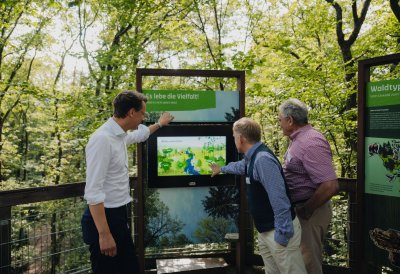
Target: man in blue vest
pixel 268 199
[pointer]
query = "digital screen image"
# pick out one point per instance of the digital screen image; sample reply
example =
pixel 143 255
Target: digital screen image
pixel 189 155
pixel 180 155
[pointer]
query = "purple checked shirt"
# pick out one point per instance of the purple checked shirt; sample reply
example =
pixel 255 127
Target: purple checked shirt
pixel 307 163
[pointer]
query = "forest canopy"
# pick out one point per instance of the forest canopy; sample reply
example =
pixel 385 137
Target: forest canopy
pixel 62 62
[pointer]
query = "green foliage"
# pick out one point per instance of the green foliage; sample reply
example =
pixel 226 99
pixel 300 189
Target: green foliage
pixel 213 230
pixel 287 48
pixel 336 242
pixel 174 241
pixel 161 227
pixel 222 202
pixel 44 236
pixel 302 59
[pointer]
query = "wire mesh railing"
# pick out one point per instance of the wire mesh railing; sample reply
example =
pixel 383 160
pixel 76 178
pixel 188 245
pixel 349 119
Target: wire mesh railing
pixel 40 231
pixel 336 249
pixel 46 238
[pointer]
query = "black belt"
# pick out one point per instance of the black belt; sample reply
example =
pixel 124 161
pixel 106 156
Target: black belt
pixel 123 207
pixel 300 202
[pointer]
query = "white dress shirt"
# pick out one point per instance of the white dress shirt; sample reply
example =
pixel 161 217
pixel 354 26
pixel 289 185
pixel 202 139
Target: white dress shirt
pixel 107 177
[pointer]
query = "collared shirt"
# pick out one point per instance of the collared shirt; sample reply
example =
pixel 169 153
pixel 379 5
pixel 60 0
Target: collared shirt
pixel 308 163
pixel 266 171
pixel 107 177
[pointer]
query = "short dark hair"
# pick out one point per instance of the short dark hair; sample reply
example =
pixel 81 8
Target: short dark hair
pixel 248 128
pixel 126 100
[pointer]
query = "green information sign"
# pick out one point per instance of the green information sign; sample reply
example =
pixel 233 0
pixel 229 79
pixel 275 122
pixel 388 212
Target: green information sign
pixel 383 93
pixel 179 100
pixel 382 138
pixel 381 156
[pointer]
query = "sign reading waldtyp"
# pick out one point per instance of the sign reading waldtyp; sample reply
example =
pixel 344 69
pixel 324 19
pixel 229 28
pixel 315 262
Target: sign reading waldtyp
pixel 382 138
pixel 193 106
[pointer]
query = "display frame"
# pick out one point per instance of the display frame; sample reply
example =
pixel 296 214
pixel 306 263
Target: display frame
pixel 189 130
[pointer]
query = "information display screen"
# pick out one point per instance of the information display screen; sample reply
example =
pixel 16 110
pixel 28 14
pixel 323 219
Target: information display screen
pixel 180 155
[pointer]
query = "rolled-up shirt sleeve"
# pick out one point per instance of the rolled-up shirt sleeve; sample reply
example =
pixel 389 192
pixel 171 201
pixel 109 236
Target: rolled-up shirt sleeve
pixel 138 136
pixel 98 157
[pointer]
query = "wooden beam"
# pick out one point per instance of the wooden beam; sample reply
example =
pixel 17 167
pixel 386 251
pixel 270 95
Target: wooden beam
pixel 48 193
pixel 189 72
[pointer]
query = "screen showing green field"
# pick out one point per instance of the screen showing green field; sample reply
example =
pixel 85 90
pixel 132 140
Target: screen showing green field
pixel 180 156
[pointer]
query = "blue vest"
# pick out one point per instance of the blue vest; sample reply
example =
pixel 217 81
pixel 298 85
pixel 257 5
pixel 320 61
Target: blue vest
pixel 257 197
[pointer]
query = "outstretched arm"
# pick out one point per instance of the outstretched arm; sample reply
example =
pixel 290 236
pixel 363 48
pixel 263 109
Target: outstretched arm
pixel 164 120
pixel 236 168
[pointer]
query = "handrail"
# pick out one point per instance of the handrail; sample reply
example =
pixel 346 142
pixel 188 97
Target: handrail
pixel 46 193
pixel 17 197
pixel 347 184
pixel 10 198
pixel 40 194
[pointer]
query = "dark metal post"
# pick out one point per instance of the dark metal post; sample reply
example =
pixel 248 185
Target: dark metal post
pixel 5 240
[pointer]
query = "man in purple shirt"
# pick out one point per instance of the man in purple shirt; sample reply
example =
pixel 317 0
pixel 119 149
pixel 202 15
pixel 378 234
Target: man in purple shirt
pixel 269 203
pixel 311 179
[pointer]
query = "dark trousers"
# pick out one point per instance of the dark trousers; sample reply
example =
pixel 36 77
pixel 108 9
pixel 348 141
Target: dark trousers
pixel 126 260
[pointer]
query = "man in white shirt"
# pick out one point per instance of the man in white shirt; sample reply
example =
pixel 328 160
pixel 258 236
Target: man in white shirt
pixel 104 223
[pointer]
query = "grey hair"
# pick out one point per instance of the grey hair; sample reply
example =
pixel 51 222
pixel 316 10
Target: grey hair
pixel 296 109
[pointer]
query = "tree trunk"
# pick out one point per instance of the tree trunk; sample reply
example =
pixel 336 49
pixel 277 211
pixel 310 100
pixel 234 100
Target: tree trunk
pixel 345 47
pixel 395 5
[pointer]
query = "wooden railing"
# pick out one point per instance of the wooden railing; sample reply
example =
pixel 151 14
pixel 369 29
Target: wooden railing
pixel 11 198
pixel 20 197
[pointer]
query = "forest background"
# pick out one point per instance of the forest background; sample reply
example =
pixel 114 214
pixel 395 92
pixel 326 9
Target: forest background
pixel 62 63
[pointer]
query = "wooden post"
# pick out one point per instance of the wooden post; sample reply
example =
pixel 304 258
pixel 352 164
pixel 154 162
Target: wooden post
pixel 5 240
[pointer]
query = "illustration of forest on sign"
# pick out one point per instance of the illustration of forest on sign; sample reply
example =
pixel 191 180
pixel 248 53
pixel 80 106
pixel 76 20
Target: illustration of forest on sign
pixel 190 155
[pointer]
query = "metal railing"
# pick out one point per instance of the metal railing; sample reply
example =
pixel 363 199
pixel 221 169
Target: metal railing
pixel 40 230
pixel 46 238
